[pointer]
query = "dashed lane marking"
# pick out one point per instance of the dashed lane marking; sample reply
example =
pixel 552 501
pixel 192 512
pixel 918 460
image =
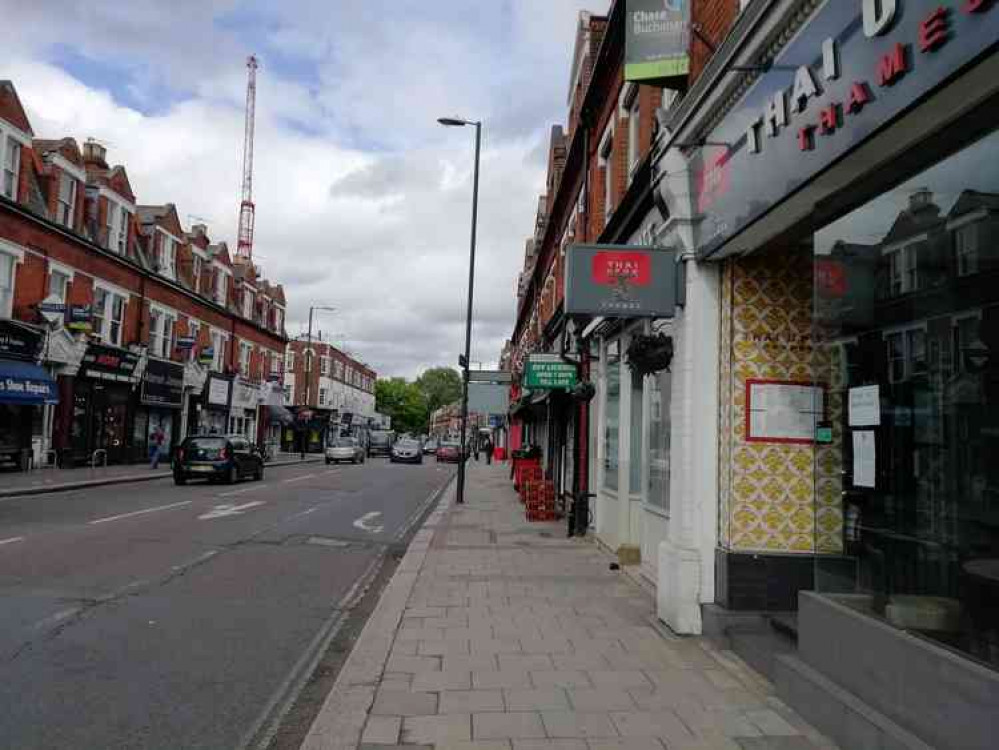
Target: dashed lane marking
pixel 298 479
pixel 11 540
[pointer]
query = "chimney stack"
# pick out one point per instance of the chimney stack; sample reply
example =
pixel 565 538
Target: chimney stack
pixel 94 153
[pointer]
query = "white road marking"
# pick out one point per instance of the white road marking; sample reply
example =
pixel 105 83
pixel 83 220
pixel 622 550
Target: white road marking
pixel 140 512
pixel 221 511
pixel 56 618
pixel 363 523
pixel 303 513
pixel 11 540
pixel 243 491
pixel 298 479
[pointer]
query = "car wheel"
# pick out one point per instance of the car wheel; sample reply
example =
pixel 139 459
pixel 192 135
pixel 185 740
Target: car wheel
pixel 260 473
pixel 179 479
pixel 328 462
pixel 233 476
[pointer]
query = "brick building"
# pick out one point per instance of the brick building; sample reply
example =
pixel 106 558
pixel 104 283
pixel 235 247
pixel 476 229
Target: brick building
pixel 137 322
pixel 322 386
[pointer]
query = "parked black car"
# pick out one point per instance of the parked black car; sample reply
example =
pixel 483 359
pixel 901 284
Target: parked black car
pixel 217 458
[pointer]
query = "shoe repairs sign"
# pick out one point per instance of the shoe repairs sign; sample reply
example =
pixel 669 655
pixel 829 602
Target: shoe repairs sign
pixel 620 281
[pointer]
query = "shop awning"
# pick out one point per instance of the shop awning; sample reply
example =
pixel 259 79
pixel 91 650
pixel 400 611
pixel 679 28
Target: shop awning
pixel 26 383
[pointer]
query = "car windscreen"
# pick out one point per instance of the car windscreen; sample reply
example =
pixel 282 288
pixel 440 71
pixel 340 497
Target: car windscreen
pixel 343 443
pixel 204 449
pixel 407 444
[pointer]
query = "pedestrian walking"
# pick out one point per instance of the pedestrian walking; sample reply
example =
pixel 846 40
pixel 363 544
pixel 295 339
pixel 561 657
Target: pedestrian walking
pixel 475 448
pixel 156 440
pixel 487 446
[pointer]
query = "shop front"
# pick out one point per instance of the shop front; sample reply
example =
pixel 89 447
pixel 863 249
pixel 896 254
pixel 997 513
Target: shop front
pixel 26 392
pixel 102 394
pixel 243 409
pixel 850 219
pixel 212 407
pixel 161 397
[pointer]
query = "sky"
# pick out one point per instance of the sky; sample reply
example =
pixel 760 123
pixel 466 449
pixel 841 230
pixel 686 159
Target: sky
pixel 363 202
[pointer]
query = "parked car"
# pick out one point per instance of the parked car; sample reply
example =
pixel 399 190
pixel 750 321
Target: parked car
pixel 406 451
pixel 380 442
pixel 344 449
pixel 449 452
pixel 430 447
pixel 217 458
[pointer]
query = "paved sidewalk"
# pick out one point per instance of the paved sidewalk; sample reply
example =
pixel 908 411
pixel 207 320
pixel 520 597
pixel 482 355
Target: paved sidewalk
pixel 43 481
pixel 498 634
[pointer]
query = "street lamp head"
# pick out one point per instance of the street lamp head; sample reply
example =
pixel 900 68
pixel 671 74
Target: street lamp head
pixel 453 122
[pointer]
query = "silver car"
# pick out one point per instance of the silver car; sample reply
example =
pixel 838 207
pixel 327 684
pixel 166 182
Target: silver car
pixel 344 449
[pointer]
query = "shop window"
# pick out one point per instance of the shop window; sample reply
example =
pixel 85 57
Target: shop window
pixel 11 168
pixel 612 422
pixel 906 481
pixel 660 387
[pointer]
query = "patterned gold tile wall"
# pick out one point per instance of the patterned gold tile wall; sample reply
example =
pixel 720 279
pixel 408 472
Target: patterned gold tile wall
pixel 774 497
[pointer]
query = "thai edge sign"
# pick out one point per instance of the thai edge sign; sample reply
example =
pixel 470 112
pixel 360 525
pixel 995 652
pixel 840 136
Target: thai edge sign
pixel 657 39
pixel 547 371
pixel 618 281
pixel 855 66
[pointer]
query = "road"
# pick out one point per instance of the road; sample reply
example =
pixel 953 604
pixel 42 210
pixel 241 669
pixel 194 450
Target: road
pixel 154 616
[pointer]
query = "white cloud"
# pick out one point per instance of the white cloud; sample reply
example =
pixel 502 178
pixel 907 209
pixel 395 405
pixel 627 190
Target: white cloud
pixel 363 202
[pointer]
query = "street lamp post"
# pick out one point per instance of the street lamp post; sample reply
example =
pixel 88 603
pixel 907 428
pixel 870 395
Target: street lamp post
pixel 457 122
pixel 308 366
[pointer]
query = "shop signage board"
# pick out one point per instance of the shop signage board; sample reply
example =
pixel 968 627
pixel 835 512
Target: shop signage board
pixel 218 390
pixel 109 363
pixel 620 281
pixel 245 395
pixel 853 68
pixel 207 355
pixel 19 341
pixel 163 384
pixel 25 383
pixel 80 318
pixel 656 39
pixel 548 371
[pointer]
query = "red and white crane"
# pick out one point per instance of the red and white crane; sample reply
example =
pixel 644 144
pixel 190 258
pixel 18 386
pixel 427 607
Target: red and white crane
pixel 244 246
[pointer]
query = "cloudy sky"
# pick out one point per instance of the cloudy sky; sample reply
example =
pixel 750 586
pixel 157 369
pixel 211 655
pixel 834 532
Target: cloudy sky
pixel 363 201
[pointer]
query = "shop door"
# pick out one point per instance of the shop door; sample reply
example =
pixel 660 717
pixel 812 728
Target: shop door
pixel 108 425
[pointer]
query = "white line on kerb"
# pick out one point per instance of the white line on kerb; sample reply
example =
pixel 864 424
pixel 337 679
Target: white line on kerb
pixel 140 512
pixel 298 479
pixel 11 540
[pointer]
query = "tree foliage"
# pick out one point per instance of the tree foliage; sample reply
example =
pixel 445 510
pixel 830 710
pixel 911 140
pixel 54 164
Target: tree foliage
pixel 404 402
pixel 440 386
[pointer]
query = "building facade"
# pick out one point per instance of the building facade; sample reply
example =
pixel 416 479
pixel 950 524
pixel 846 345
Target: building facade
pixel 327 390
pixel 138 315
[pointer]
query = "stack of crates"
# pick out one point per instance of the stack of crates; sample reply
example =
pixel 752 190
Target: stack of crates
pixel 529 477
pixel 540 501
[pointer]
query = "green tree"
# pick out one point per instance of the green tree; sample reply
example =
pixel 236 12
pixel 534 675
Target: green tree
pixel 404 402
pixel 440 386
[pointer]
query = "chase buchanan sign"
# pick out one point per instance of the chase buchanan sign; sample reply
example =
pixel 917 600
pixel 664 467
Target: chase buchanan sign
pixel 853 68
pixel 657 39
pixel 619 281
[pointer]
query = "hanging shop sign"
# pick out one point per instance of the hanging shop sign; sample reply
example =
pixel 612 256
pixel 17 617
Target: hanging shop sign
pixel 207 355
pixel 163 384
pixel 656 39
pixel 245 395
pixel 109 363
pixel 80 318
pixel 19 341
pixel 548 371
pixel 620 281
pixel 218 390
pixel 854 67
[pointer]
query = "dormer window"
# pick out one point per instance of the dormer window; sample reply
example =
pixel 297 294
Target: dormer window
pixel 11 168
pixel 67 200
pixel 166 258
pixel 117 228
pixel 247 304
pixel 220 287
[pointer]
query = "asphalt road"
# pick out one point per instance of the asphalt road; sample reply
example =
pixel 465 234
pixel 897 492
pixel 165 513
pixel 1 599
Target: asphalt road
pixel 154 616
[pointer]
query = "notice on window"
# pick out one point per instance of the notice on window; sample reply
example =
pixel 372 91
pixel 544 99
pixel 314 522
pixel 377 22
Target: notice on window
pixel 864 462
pixel 864 406
pixel 782 412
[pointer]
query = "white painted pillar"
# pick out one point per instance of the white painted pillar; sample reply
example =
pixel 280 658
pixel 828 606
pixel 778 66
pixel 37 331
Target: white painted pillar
pixel 624 446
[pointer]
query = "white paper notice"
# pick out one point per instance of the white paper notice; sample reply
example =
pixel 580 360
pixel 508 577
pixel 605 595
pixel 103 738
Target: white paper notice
pixel 864 461
pixel 865 406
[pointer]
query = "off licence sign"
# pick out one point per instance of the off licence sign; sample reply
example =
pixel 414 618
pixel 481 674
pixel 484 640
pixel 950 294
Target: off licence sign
pixel 549 372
